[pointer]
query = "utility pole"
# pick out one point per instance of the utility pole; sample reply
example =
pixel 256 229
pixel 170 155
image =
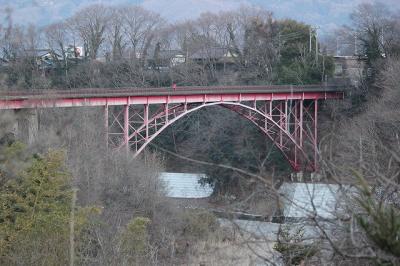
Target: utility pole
pixel 186 49
pixel 337 46
pixel 310 38
pixel 383 43
pixel 361 155
pixel 323 67
pixel 279 45
pixel 355 44
pixel 316 45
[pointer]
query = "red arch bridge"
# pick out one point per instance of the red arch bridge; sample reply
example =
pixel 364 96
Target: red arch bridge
pixel 133 117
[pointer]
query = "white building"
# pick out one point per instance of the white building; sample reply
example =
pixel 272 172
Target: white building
pixel 185 185
pixel 306 200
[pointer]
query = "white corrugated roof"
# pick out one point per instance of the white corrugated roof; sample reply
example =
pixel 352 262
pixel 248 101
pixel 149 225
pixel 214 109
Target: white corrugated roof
pixel 185 185
pixel 301 199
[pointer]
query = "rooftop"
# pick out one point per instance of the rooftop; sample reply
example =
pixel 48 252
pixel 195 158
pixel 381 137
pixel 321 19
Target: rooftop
pixel 303 200
pixel 185 185
pixel 168 54
pixel 211 53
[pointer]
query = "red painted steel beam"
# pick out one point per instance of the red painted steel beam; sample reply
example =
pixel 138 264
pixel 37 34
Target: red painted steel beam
pixel 106 124
pixel 315 144
pixel 131 91
pixel 162 99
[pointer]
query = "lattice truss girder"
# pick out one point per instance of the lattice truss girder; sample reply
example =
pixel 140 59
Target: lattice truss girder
pixel 290 124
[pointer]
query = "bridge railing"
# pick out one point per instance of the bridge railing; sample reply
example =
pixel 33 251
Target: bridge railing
pixel 134 91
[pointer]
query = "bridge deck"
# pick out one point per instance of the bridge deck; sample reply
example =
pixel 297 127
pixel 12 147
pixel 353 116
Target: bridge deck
pixel 118 96
pixel 106 92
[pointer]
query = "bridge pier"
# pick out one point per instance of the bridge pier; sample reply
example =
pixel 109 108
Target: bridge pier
pixel 26 125
pixel 20 124
pixel 8 126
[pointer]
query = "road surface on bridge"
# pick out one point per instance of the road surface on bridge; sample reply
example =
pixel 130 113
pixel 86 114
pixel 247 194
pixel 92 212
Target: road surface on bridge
pixel 118 96
pixel 105 92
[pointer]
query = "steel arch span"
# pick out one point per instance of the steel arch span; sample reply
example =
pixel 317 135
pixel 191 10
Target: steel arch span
pixel 290 124
pixel 133 117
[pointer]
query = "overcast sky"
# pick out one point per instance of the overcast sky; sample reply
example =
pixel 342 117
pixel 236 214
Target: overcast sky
pixel 327 14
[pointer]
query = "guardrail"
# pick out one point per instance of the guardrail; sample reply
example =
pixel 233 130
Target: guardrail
pixel 185 90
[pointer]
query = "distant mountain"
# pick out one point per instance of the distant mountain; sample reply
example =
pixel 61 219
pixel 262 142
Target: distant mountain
pixel 325 14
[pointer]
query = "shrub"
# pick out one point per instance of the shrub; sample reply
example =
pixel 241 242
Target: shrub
pixel 380 221
pixel 135 240
pixel 199 224
pixel 35 209
pixel 292 246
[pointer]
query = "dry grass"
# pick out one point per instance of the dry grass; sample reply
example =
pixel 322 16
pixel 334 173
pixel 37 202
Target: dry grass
pixel 241 250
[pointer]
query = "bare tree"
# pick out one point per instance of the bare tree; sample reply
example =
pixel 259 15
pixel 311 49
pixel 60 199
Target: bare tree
pixel 57 36
pixel 139 27
pixel 12 41
pixel 115 33
pixel 370 22
pixel 91 23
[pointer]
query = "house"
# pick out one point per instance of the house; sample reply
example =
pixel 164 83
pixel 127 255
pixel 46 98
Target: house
pixel 222 58
pixel 165 59
pixel 73 51
pixel 185 185
pixel 216 54
pixel 348 69
pixel 45 58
